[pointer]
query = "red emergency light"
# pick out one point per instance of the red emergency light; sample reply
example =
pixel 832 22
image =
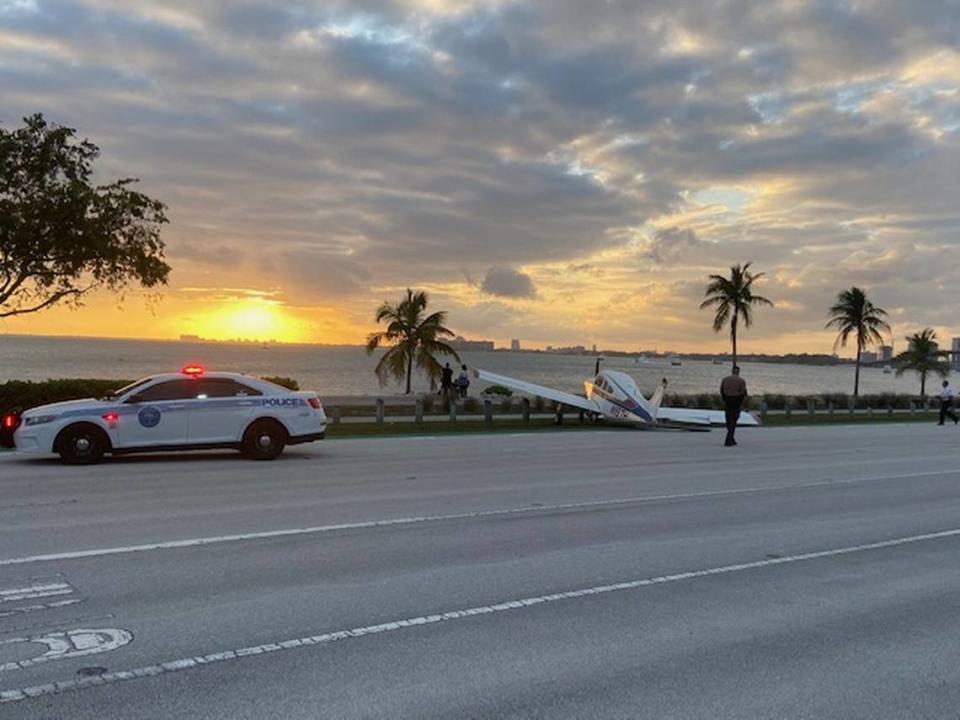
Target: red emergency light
pixel 193 370
pixel 10 421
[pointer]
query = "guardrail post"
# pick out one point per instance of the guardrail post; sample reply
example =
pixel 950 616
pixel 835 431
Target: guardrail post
pixel 418 412
pixel 830 407
pixel 488 411
pixel 913 408
pixel 525 407
pixel 811 407
pixel 851 405
pixel 558 420
pixel 379 411
pixel 335 414
pixel 870 410
pixel 453 411
pixel 763 410
pixel 890 409
pixel 786 409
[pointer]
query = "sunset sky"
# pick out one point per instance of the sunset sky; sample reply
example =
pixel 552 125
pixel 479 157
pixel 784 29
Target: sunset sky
pixel 563 172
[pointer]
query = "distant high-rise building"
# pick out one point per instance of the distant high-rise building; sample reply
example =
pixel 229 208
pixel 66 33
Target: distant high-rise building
pixel 514 344
pixel 868 356
pixel 886 353
pixel 460 343
pixel 955 357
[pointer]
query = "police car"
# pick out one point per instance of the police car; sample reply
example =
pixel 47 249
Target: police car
pixel 189 410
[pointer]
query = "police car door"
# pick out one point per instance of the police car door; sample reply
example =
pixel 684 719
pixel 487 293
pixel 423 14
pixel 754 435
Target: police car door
pixel 221 411
pixel 157 415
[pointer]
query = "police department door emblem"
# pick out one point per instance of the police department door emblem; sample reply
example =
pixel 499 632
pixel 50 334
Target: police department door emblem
pixel 149 417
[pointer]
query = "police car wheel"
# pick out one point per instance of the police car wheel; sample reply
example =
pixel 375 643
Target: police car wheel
pixel 264 440
pixel 81 445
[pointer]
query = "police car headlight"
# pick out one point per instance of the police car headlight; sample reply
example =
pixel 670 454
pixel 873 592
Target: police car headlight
pixel 39 420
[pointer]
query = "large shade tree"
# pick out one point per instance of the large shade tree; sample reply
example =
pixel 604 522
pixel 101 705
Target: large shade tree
pixel 63 235
pixel 414 339
pixel 854 315
pixel 924 357
pixel 733 300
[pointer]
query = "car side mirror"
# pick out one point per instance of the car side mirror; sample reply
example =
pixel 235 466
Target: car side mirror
pixel 133 400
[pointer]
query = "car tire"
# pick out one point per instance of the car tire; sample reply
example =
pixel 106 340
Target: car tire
pixel 82 445
pixel 264 440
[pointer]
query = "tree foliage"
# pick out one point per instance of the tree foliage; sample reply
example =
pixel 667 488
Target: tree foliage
pixel 732 299
pixel 61 235
pixel 854 315
pixel 923 356
pixel 414 339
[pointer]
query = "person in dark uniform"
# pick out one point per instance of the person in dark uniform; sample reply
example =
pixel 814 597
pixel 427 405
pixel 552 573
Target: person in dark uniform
pixel 446 381
pixel 946 404
pixel 733 390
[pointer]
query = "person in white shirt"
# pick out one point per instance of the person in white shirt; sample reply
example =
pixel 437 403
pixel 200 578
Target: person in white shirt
pixel 946 404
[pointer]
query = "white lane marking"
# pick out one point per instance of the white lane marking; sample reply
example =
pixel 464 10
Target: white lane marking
pixel 69 644
pixel 190 663
pixel 35 591
pixel 45 606
pixel 416 520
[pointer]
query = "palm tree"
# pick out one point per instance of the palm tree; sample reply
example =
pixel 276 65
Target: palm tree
pixel 415 339
pixel 922 356
pixel 733 299
pixel 854 314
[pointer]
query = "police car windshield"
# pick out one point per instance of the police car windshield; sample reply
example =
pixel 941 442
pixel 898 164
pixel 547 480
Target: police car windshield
pixel 125 389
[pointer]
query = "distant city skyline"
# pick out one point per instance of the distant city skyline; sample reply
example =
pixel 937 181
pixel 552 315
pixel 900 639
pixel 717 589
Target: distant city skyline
pixel 563 173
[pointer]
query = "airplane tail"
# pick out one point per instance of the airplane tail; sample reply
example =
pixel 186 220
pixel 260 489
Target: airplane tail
pixel 654 402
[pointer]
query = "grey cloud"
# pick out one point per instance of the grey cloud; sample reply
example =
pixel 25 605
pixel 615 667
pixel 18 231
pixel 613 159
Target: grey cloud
pixel 419 143
pixel 668 244
pixel 309 278
pixel 219 255
pixel 507 282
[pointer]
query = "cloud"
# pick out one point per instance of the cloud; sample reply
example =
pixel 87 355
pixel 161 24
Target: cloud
pixel 331 149
pixel 507 282
pixel 666 245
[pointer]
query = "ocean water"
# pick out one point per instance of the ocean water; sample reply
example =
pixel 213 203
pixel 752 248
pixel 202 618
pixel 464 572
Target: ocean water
pixel 348 370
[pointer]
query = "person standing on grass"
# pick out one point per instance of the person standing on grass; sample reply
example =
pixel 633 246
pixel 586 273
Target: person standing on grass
pixel 733 390
pixel 463 381
pixel 946 404
pixel 446 381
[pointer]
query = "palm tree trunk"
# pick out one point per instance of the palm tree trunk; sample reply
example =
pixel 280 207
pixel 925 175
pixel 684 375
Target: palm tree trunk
pixel 733 337
pixel 856 374
pixel 409 370
pixel 923 386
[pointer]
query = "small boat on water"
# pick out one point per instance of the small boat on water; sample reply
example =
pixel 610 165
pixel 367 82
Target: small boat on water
pixel 717 361
pixel 675 361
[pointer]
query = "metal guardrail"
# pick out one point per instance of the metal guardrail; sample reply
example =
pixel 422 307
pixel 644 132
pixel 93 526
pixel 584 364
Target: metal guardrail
pixel 487 410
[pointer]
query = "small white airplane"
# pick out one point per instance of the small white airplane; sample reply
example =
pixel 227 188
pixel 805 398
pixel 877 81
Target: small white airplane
pixel 615 397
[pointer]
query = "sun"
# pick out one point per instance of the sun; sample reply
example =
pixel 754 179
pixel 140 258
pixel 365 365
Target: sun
pixel 249 319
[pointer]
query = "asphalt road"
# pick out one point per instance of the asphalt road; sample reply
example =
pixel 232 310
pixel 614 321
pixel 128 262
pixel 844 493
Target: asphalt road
pixel 808 573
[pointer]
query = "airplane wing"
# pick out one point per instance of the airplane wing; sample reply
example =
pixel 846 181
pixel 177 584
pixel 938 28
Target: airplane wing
pixel 559 396
pixel 697 416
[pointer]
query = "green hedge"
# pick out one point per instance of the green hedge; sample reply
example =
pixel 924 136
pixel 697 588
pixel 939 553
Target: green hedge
pixel 288 383
pixel 23 395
